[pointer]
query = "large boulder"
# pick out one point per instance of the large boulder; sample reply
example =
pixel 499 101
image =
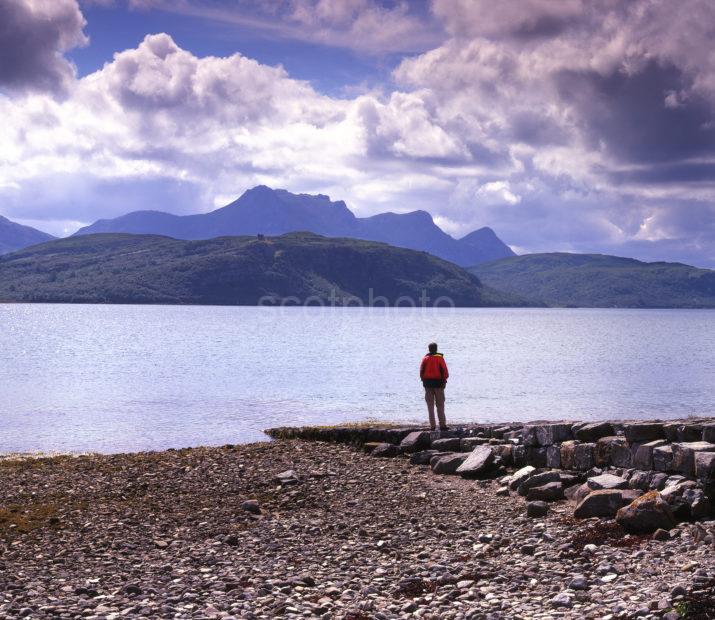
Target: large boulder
pixel 504 452
pixel 447 444
pixel 594 432
pixel 415 442
pixel 705 466
pixel 602 503
pixel 639 480
pixel 553 457
pixel 447 463
pixel 467 444
pixel 643 432
pixel 536 456
pixel 709 433
pixel 520 476
pixel 643 458
pixel 663 458
pixel 546 434
pixel 684 455
pixel 550 492
pixel 478 463
pixel 646 514
pixel 423 457
pixel 538 480
pixel 607 482
pixel 613 451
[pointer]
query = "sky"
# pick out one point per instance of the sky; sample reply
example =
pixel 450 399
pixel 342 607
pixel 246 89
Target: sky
pixel 565 125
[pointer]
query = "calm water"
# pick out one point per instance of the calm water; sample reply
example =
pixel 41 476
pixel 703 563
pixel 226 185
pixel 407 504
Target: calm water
pixel 119 378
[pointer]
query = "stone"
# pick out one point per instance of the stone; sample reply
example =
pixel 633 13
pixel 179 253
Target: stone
pixel 698 503
pixel 581 492
pixel 416 441
pixel 705 466
pixel 693 432
pixel 663 458
pixel 594 432
pixel 478 463
pixel 577 456
pixel 553 457
pixel 385 450
pixel 578 583
pixel 538 480
pixel 528 435
pixel 534 510
pixel 661 535
pixel 449 444
pixel 519 456
pixel 551 492
pixel 629 495
pixel 423 457
pixel 369 446
pixel 571 492
pixel 447 464
pixel 643 432
pixel 639 480
pixel 520 476
pixel 643 458
pixel 467 444
pixel 562 600
pixel 684 455
pixel 536 456
pixel 287 478
pixel 504 453
pixel 603 503
pixel 550 434
pixel 502 491
pixel 657 481
pixel 607 481
pixel 614 451
pixel 252 506
pixel 709 433
pixel 646 514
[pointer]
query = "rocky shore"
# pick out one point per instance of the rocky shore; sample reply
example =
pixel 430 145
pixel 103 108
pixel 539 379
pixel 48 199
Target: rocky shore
pixel 302 529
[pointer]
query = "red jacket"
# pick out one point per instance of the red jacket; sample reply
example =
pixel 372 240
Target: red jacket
pixel 433 370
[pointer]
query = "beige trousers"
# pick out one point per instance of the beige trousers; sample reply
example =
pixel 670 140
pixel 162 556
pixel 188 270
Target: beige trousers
pixel 432 396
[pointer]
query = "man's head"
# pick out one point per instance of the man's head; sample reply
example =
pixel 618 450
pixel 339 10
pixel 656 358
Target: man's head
pixel 432 346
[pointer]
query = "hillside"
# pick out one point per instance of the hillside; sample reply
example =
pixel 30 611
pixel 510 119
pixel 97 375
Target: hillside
pixel 595 280
pixel 122 268
pixel 15 236
pixel 263 210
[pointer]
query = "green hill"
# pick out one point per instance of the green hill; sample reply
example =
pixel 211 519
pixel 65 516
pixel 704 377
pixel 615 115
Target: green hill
pixel 124 268
pixel 600 281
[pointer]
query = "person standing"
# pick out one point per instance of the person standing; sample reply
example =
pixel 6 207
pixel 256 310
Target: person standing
pixel 434 375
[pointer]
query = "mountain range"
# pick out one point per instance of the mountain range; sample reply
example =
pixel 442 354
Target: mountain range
pixel 600 281
pixel 267 211
pixel 294 268
pixel 15 236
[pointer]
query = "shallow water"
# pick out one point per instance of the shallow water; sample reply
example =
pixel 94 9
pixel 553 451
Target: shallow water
pixel 121 378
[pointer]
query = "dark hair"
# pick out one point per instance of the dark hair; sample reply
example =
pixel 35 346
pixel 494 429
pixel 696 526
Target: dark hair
pixel 432 346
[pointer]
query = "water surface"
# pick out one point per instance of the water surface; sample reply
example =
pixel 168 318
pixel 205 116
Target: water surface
pixel 123 378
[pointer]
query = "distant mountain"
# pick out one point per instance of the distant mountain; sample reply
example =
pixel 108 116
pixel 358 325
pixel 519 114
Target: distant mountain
pixel 267 211
pixel 15 236
pixel 123 268
pixel 600 281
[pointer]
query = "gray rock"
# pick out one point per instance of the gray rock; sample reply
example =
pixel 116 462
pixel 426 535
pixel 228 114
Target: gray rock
pixel 684 455
pixel 643 458
pixel 538 480
pixel 639 480
pixel 450 444
pixel 536 456
pixel 709 433
pixel 604 503
pixel 553 457
pixel 467 444
pixel 520 476
pixel 607 481
pixel 562 600
pixel 287 478
pixel 705 466
pixel 698 502
pixel 551 492
pixel 657 481
pixel 385 450
pixel 416 441
pixel 594 432
pixel 447 464
pixel 534 510
pixel 502 491
pixel 661 535
pixel 546 434
pixel 578 583
pixel 613 451
pixel 479 462
pixel 423 457
pixel 663 458
pixel 643 432
pixel 504 453
pixel 646 514
pixel 252 506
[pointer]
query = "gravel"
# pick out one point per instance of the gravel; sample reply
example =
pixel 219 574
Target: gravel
pixel 339 535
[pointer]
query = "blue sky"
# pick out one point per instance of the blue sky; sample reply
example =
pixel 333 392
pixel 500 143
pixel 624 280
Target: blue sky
pixel 565 126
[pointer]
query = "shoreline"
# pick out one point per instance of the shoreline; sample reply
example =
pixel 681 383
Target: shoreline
pixel 296 528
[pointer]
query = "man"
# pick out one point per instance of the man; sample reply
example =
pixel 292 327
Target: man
pixel 434 375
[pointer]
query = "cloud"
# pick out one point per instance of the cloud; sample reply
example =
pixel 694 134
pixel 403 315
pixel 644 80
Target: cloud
pixel 368 26
pixel 33 36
